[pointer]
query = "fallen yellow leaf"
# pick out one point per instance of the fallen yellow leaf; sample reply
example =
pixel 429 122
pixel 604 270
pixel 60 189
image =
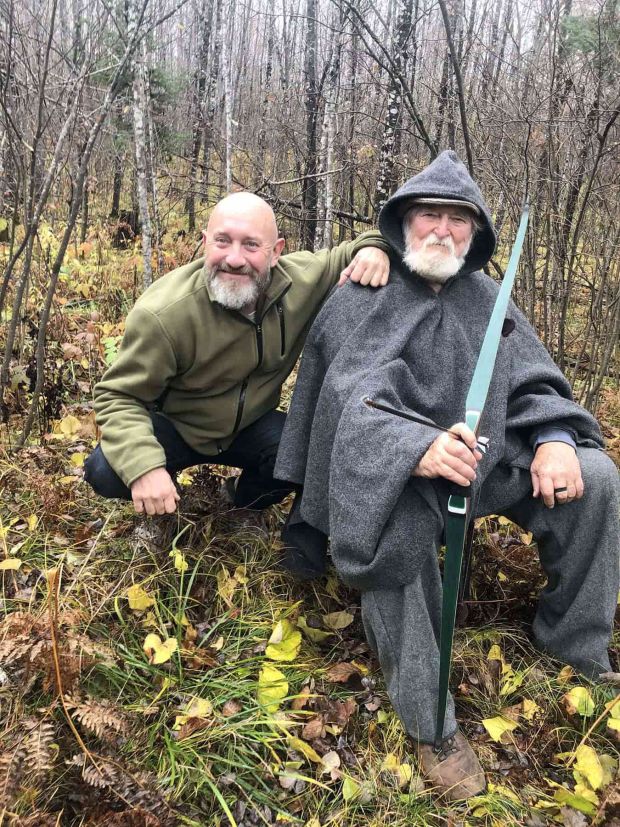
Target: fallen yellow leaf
pixel 589 765
pixel 610 766
pixel 495 653
pixel 305 749
pixel 196 708
pixel 506 792
pixel 350 789
pixel 180 563
pixel 578 802
pixel 148 620
pixel 579 700
pixel 184 478
pixel 284 643
pixel 138 598
pixel 226 585
pixel 585 791
pixel 404 774
pixel 498 726
pixel 272 688
pixel 315 635
pixel 159 651
pixel 390 763
pixel 338 620
pixel 10 564
pixel 565 674
pixel 530 709
pixel 69 426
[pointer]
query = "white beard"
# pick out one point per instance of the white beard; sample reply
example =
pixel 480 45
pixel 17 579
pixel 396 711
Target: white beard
pixel 237 296
pixel 431 263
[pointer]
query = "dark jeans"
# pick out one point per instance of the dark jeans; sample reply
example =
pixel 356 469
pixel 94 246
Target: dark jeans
pixel 254 450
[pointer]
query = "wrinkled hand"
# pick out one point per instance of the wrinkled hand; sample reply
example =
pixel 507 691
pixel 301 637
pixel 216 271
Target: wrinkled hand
pixel 555 466
pixel 451 458
pixel 155 493
pixel 370 266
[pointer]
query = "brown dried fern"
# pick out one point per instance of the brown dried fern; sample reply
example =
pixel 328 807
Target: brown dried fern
pixel 29 761
pixel 27 644
pixel 38 745
pixel 102 718
pixel 139 791
pixel 12 771
pixel 136 817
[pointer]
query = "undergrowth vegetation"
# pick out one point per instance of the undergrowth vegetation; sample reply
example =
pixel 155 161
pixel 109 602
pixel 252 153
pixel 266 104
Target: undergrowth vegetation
pixel 160 671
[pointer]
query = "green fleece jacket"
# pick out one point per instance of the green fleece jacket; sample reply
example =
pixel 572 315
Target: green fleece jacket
pixel 212 371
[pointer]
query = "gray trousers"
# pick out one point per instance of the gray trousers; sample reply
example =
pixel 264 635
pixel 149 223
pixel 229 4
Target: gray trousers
pixel 578 545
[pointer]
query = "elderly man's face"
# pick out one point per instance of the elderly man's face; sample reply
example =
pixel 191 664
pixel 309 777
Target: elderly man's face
pixel 437 240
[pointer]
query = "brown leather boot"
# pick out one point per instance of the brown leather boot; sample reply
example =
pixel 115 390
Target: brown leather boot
pixel 454 772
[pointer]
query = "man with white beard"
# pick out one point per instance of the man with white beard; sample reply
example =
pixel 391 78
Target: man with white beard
pixel 205 352
pixel 378 484
pixel 438 236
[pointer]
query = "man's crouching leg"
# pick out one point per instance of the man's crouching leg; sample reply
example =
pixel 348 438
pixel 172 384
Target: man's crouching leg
pixel 102 478
pixel 578 544
pixel 402 625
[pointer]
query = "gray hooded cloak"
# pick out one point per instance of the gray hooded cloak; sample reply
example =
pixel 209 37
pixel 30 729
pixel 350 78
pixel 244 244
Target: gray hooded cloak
pixel 414 349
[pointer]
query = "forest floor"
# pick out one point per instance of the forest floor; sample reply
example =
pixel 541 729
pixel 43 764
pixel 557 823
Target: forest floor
pixel 160 671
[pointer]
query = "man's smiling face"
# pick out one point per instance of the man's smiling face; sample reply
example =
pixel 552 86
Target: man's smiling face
pixel 241 247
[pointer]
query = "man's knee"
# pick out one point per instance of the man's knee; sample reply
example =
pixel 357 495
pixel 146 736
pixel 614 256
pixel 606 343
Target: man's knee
pixel 102 478
pixel 600 475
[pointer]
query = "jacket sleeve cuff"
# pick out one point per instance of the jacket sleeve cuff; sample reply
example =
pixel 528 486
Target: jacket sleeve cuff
pixel 552 434
pixel 372 238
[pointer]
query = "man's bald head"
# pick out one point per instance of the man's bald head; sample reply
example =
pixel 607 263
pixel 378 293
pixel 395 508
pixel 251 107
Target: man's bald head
pixel 241 247
pixel 252 207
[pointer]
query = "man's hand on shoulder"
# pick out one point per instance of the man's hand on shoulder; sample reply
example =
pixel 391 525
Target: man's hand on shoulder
pixel 556 474
pixel 370 267
pixel 453 458
pixel 154 493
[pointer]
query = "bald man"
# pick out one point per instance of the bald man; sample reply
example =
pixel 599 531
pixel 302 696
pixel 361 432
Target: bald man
pixel 205 352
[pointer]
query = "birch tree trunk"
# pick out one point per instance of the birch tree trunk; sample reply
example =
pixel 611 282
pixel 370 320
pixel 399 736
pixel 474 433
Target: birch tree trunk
pixel 226 20
pixel 309 192
pixel 385 179
pixel 139 109
pixel 151 177
pixel 199 104
pixel 325 181
pixel 211 99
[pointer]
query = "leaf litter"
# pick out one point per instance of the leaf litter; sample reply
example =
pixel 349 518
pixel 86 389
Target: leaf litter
pixel 259 689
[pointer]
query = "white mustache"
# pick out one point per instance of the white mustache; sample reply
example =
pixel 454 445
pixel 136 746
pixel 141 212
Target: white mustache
pixel 432 240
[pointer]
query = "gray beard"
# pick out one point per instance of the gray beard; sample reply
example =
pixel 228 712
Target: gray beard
pixel 237 296
pixel 432 267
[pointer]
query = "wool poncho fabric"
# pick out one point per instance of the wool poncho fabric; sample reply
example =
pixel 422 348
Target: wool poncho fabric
pixel 416 350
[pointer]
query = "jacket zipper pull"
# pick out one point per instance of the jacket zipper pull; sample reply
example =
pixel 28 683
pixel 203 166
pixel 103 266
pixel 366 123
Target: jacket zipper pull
pixel 280 310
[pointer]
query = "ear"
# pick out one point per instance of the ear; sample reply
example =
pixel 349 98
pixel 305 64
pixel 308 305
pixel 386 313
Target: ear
pixel 277 251
pixel 204 236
